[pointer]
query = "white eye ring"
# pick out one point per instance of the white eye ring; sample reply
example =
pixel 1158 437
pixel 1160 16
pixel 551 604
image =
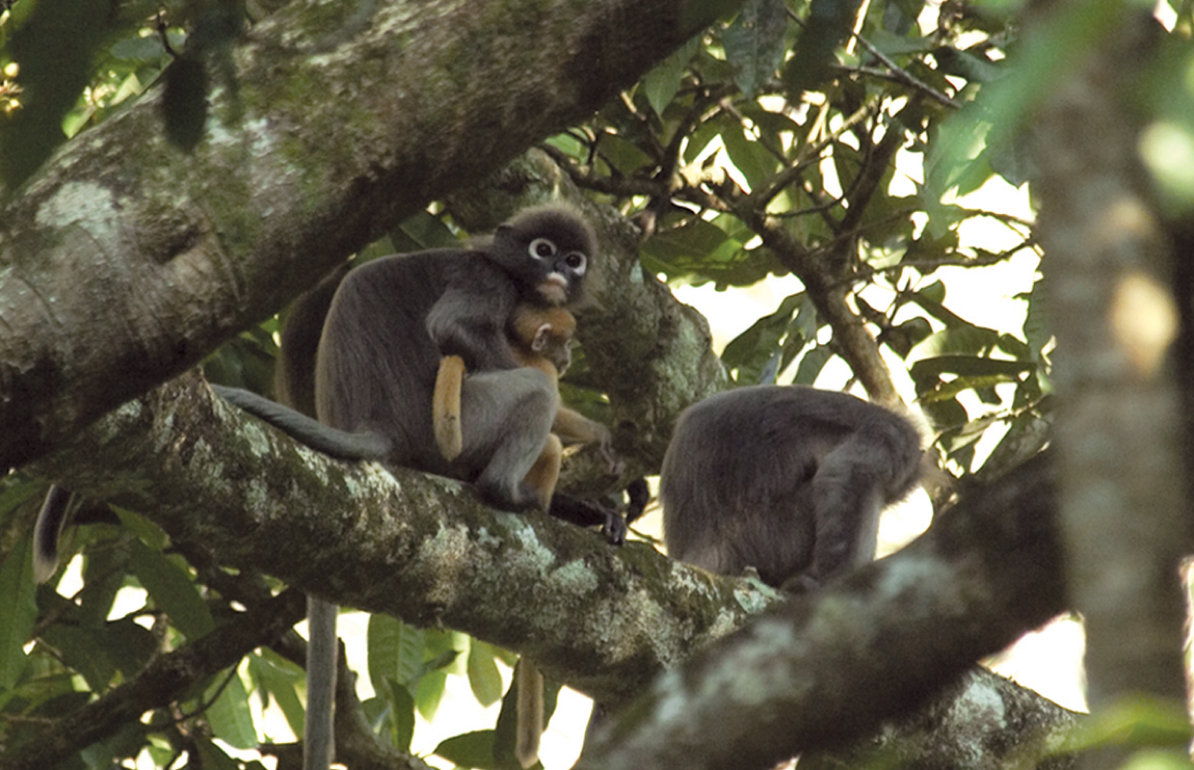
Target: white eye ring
pixel 577 261
pixel 541 248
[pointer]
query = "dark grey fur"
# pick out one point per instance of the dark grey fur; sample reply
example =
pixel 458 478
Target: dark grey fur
pixel 787 480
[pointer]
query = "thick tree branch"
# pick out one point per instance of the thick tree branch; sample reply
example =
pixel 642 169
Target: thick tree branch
pixel 1126 506
pixel 422 548
pixel 603 619
pixel 181 251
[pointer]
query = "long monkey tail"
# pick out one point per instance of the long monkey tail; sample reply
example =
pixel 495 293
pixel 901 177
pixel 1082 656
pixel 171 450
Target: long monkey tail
pixel 445 406
pixel 529 712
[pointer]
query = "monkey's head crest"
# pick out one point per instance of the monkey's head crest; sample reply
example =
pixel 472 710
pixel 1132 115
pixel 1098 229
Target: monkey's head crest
pixel 560 222
pixel 547 250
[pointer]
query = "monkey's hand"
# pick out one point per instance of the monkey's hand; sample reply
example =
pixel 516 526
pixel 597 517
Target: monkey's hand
pixel 574 428
pixel 612 461
pixel 587 513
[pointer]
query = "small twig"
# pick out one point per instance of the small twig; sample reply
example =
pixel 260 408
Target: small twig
pixel 932 264
pixel 897 72
pixel 907 77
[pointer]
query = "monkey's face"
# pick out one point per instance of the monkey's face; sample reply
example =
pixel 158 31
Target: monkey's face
pixel 547 253
pixel 563 272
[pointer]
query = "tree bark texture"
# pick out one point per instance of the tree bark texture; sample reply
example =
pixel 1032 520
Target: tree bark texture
pixel 602 619
pixel 125 261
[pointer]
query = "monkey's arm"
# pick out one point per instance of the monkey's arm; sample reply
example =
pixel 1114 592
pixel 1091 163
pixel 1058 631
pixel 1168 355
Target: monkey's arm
pixel 469 319
pixel 574 428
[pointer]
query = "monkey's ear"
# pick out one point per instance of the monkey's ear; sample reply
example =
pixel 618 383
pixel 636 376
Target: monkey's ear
pixel 503 230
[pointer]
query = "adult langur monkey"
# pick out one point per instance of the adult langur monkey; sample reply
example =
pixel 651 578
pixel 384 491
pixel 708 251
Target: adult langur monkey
pixel 787 480
pixel 378 357
pixel 370 380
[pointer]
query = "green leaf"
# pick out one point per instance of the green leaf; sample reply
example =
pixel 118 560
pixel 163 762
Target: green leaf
pixel 750 157
pixel 421 232
pixel 83 649
pixel 570 145
pixel 401 715
pixel 129 646
pixel 688 244
pixel 212 757
pixel 828 25
pixel 970 366
pixel 137 48
pixel 663 82
pixel 1135 720
pixel 230 718
pixel 473 749
pixel 441 650
pixel 1036 327
pixel 430 692
pixel 750 351
pixel 172 591
pixel 754 43
pixel 280 679
pixel 811 365
pixel 148 532
pixel 623 155
pixel 18 610
pixel 395 652
pixel 104 573
pixel 483 674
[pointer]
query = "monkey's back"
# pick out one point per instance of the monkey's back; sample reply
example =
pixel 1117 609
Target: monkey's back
pixel 377 362
pixel 735 484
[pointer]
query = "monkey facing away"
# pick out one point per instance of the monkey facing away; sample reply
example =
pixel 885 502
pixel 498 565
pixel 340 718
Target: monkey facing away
pixel 788 480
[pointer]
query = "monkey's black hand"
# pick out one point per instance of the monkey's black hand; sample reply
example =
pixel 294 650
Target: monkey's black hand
pixel 638 494
pixel 587 513
pixel 614 528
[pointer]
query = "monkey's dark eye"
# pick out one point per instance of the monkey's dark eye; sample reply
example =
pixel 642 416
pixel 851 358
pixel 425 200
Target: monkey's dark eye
pixel 576 261
pixel 541 248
